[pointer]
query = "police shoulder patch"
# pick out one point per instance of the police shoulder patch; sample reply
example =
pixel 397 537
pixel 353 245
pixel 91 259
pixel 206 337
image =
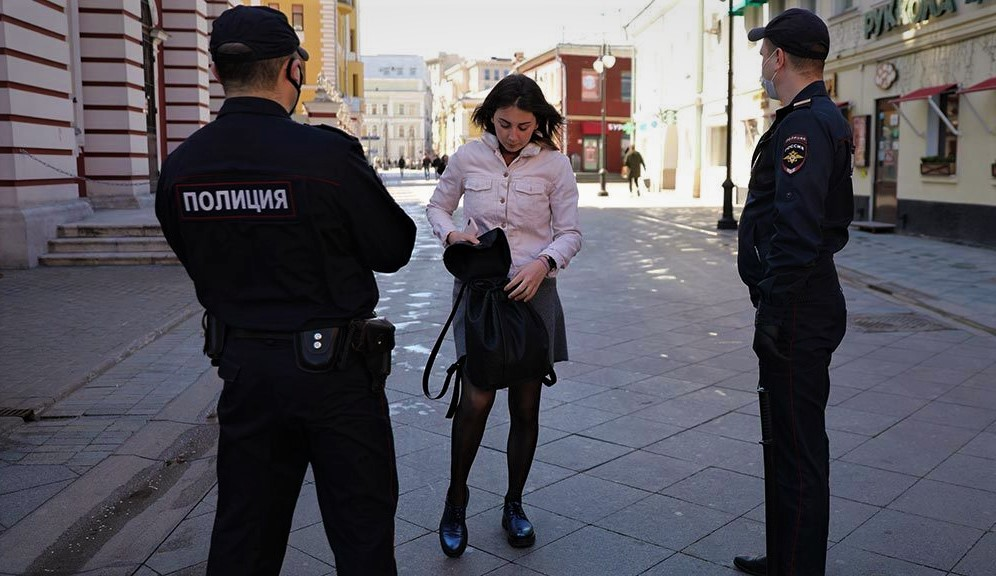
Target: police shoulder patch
pixel 794 155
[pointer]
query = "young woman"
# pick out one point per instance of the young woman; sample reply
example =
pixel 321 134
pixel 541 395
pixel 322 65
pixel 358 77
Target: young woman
pixel 516 178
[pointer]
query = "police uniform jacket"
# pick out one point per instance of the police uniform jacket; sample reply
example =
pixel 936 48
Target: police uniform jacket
pixel 280 225
pixel 800 200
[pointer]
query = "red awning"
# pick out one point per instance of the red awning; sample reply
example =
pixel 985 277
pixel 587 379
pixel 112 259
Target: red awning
pixel 924 93
pixel 984 85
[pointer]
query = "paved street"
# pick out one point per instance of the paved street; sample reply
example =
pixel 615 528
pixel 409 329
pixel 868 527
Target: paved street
pixel 648 460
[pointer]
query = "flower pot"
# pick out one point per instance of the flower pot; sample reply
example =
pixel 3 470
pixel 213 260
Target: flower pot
pixel 937 168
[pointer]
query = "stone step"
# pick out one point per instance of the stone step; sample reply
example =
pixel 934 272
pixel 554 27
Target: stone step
pixel 94 230
pixel 108 259
pixel 108 244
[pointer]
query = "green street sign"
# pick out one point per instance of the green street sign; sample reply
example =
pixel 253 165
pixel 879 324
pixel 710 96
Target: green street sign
pixel 737 6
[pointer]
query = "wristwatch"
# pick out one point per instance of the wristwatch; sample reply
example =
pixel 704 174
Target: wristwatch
pixel 550 262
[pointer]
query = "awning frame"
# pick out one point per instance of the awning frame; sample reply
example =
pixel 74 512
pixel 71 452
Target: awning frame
pixel 929 97
pixel 980 87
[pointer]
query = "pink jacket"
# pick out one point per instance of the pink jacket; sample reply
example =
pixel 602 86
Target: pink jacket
pixel 535 200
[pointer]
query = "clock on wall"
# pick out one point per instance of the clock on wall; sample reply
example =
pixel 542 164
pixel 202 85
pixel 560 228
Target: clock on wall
pixel 885 75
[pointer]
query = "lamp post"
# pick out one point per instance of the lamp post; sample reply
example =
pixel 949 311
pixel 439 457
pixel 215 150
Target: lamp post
pixel 728 222
pixel 601 65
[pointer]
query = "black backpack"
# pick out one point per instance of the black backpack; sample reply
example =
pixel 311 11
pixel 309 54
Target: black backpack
pixel 506 340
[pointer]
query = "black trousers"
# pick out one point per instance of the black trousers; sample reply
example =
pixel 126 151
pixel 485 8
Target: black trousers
pixel 275 420
pixel 799 389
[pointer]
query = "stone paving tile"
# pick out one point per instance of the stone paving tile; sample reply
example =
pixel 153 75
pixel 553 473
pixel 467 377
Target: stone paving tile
pixel 719 489
pixel 619 401
pixel 688 566
pixel 956 415
pixel 916 539
pixel 712 450
pixel 954 504
pixel 969 471
pixel 738 538
pixel 579 453
pixel 422 557
pixel 881 403
pixel 983 446
pixel 666 521
pixel 312 540
pixel 633 432
pixel 514 570
pixel 645 470
pixel 911 447
pixel 17 505
pixel 980 559
pixel 845 560
pixel 485 532
pixel 664 386
pixel 583 554
pixel 971 396
pixel 574 418
pixel 867 484
pixel 683 412
pixel 185 547
pixel 858 422
pixel 586 498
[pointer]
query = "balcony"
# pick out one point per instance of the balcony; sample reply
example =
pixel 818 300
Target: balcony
pixel 346 2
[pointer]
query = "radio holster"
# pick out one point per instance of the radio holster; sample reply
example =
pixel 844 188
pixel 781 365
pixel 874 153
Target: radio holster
pixel 373 339
pixel 318 350
pixel 214 337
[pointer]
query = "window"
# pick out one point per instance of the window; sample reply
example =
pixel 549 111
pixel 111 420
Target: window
pixel 717 146
pixel 373 130
pixel 274 5
pixel 487 74
pixel 383 109
pixel 941 139
pixel 297 16
pixel 401 109
pixel 411 131
pixel 842 6
pixel 626 89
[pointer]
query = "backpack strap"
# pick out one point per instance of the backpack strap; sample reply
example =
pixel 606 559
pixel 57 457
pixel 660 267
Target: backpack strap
pixel 455 369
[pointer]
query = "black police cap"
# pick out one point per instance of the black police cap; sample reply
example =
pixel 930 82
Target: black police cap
pixel 798 32
pixel 250 33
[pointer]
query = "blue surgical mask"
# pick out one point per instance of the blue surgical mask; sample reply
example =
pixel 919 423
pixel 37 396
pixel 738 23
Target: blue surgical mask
pixel 769 85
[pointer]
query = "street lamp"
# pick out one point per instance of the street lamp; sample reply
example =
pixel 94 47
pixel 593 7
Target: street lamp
pixel 728 222
pixel 601 65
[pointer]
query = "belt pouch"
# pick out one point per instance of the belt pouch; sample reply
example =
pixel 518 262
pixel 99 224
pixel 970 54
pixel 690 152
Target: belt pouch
pixel 316 350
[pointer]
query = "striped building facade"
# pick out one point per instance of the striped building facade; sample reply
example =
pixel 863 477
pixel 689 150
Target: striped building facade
pixel 93 95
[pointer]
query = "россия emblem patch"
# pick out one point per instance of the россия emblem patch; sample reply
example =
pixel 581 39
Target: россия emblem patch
pixel 794 155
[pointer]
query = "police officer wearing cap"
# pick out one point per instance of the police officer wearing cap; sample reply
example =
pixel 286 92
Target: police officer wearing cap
pixel 796 216
pixel 281 227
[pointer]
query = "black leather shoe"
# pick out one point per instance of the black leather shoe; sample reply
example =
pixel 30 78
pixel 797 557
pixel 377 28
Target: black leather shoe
pixel 453 529
pixel 754 565
pixel 518 528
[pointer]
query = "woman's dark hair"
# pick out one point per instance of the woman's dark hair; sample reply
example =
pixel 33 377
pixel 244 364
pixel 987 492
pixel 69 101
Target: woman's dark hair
pixel 525 94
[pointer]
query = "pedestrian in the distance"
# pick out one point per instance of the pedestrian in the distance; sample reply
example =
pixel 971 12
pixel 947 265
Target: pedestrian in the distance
pixel 281 227
pixel 441 166
pixel 798 208
pixel 516 178
pixel 426 162
pixel 633 161
pixel 401 167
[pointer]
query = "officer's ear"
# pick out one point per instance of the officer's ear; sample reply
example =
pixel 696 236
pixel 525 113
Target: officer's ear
pixel 214 72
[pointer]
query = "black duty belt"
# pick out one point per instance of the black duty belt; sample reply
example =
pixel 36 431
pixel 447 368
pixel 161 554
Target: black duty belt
pixel 260 335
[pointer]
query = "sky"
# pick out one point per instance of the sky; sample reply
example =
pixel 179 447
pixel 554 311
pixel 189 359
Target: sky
pixel 486 28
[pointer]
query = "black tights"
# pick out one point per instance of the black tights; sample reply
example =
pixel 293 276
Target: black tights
pixel 468 430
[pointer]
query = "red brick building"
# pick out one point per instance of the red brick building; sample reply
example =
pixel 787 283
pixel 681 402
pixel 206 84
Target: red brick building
pixel 570 81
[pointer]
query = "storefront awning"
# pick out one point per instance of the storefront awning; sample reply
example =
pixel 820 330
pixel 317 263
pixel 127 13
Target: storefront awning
pixel 924 93
pixel 989 84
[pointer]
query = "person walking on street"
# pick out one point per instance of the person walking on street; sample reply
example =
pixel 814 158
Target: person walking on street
pixel 798 208
pixel 281 227
pixel 401 167
pixel 516 178
pixel 441 166
pixel 426 162
pixel 633 161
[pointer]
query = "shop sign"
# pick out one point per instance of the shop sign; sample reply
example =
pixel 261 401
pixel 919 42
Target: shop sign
pixel 898 13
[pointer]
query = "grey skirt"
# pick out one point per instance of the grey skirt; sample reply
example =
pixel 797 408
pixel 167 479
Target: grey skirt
pixel 547 304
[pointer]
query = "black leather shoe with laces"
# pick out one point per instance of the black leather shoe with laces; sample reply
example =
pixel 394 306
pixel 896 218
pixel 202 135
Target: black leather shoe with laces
pixel 518 528
pixel 753 565
pixel 453 528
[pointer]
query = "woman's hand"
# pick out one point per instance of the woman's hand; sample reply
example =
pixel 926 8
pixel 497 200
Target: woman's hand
pixel 458 236
pixel 525 284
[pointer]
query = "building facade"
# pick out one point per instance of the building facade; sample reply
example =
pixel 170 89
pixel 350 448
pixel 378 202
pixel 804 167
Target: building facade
pixel 398 107
pixel 95 94
pixel 914 78
pixel 570 81
pixel 461 88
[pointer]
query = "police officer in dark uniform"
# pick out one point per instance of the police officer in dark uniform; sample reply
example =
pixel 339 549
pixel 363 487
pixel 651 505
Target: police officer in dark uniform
pixel 281 227
pixel 796 216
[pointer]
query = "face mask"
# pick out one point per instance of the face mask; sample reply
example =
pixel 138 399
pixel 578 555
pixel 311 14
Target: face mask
pixel 769 85
pixel 295 84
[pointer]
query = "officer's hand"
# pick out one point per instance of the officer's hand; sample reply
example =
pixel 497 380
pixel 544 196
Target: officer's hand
pixel 458 236
pixel 525 284
pixel 766 342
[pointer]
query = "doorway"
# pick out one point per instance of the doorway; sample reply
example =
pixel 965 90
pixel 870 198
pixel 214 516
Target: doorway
pixel 886 162
pixel 590 148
